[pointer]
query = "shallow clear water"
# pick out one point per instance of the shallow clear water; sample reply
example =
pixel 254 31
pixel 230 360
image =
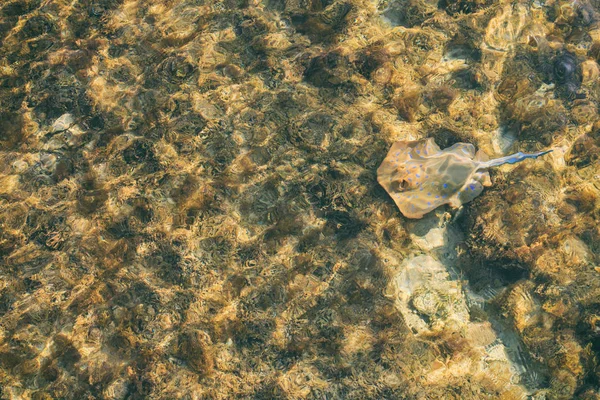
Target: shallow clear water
pixel 189 204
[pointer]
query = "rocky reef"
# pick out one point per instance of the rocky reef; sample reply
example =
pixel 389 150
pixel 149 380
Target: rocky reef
pixel 189 205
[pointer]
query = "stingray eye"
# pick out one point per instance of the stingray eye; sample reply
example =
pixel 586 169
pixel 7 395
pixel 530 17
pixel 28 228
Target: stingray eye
pixel 399 186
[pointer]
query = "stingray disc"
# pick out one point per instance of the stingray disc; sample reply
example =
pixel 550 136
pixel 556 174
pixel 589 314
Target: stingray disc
pixel 420 177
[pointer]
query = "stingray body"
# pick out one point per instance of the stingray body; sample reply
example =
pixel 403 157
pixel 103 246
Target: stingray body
pixel 420 177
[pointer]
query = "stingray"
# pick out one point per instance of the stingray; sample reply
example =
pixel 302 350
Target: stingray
pixel 420 177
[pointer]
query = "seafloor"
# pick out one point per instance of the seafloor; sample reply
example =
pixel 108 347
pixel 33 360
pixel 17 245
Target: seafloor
pixel 189 206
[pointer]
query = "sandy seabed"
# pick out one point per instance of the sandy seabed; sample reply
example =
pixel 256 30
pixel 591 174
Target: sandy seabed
pixel 189 206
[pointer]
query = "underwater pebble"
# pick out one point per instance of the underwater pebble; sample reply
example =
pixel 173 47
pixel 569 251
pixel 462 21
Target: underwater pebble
pixel 48 161
pixel 502 140
pixel 435 238
pixel 590 72
pixel 207 110
pixel 20 166
pixel 63 122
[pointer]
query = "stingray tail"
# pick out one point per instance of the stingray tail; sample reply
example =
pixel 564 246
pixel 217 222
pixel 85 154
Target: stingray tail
pixel 513 158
